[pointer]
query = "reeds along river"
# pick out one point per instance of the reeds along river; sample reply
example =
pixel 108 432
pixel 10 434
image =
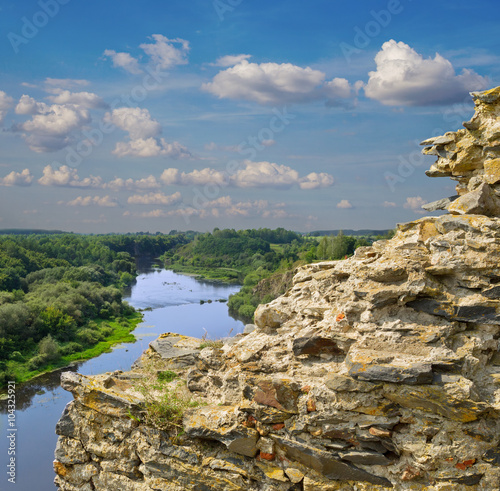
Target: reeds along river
pixel 175 302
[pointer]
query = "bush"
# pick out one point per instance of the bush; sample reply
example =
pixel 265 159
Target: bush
pixel 88 336
pixel 70 348
pixel 107 331
pixel 49 349
pixel 246 311
pixel 36 362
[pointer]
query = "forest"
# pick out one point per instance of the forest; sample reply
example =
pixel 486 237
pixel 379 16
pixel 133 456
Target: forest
pixel 61 293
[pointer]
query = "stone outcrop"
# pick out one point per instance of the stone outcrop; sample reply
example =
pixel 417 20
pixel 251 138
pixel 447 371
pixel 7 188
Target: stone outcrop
pixel 377 372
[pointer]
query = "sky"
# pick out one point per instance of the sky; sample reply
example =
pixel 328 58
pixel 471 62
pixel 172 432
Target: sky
pixel 126 116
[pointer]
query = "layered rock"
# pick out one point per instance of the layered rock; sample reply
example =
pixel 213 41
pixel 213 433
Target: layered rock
pixel 378 372
pixel 471 156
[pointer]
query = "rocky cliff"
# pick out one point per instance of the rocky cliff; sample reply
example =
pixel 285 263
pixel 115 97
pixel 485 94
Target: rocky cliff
pixel 378 372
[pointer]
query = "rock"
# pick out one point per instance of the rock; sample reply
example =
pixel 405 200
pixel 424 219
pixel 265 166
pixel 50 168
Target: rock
pixel 493 292
pixel 438 400
pixel 268 317
pixel 220 423
pixel 481 201
pixel 179 351
pixel 281 394
pixel 492 171
pixel 294 475
pixel 69 452
pixel 482 314
pixel 317 345
pixel 249 328
pixel 324 463
pixel 365 457
pixel 364 366
pixel 66 426
pixel 440 204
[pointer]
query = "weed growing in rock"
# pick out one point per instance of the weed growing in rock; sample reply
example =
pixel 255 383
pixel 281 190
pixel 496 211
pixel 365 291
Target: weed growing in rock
pixel 166 398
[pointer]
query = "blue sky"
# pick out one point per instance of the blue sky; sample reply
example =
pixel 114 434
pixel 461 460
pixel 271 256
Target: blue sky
pixel 151 116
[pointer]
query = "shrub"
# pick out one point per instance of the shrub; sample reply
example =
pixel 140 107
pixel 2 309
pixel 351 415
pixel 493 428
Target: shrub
pixel 246 311
pixel 71 348
pixel 88 336
pixel 49 348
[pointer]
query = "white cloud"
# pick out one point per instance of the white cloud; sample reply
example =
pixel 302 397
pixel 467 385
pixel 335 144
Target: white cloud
pixel 164 53
pixel 415 204
pixel 6 103
pixel 252 174
pixel 118 183
pixel 151 147
pixel 155 199
pixel 404 77
pixel 389 204
pixel 84 99
pixel 273 83
pixel 124 60
pixel 315 181
pixel 28 105
pixel 23 178
pixel 230 60
pixel 143 131
pixel 50 127
pixel 105 201
pixel 67 177
pixel 134 120
pixel 344 204
pixel 197 177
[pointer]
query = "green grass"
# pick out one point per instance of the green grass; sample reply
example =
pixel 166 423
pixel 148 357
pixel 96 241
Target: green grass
pixel 223 275
pixel 122 333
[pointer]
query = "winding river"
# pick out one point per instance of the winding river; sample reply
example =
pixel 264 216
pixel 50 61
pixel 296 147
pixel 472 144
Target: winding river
pixel 176 303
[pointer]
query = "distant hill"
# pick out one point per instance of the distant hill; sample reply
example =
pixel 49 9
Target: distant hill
pixel 27 231
pixel 355 233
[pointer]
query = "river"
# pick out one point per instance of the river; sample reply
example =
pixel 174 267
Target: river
pixel 176 303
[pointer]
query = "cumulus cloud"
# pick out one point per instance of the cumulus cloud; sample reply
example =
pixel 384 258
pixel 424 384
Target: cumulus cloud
pixel 164 53
pixel 143 132
pixel 389 204
pixel 197 177
pixel 134 120
pixel 51 126
pixel 151 147
pixel 273 83
pixel 119 183
pixel 6 103
pixel 252 174
pixel 84 99
pixel 23 178
pixel 230 60
pixel 123 60
pixel 344 204
pixel 28 105
pixel 67 177
pixel 104 201
pixel 404 77
pixel 155 199
pixel 415 204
